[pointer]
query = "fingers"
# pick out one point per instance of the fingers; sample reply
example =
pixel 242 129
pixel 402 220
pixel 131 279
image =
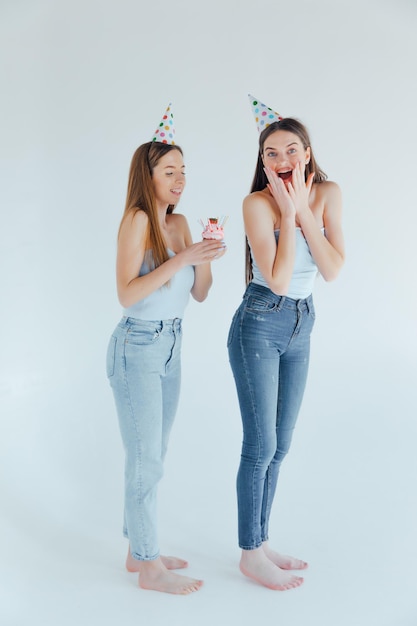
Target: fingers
pixel 299 184
pixel 208 250
pixel 209 245
pixel 298 176
pixel 276 185
pixel 269 174
pixel 309 182
pixel 291 196
pixel 220 253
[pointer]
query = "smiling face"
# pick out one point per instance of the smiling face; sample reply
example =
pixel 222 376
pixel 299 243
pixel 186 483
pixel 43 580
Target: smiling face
pixel 168 177
pixel 282 151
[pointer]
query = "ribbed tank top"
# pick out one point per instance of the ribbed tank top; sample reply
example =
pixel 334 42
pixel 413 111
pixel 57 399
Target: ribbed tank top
pixel 167 302
pixel 305 269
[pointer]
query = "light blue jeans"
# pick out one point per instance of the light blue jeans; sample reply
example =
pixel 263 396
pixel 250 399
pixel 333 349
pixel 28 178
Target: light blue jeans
pixel 269 348
pixel 144 370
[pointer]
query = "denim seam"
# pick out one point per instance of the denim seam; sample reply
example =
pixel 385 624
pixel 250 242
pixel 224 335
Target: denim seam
pixel 138 456
pixel 257 428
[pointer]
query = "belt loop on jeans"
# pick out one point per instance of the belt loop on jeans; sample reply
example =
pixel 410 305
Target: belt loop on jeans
pixel 280 303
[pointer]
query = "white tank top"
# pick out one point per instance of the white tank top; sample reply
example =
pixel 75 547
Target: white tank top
pixel 304 273
pixel 167 302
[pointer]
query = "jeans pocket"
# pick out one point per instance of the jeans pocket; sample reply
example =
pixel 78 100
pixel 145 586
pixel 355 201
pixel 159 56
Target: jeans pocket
pixel 111 356
pixel 143 334
pixel 312 312
pixel 260 304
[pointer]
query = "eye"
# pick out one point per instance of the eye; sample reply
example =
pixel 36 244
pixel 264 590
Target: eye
pixel 292 151
pixel 271 155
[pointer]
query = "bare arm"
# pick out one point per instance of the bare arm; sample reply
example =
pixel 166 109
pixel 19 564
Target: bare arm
pixel 202 272
pixel 131 251
pixel 203 278
pixel 275 261
pixel 328 252
pixel 130 254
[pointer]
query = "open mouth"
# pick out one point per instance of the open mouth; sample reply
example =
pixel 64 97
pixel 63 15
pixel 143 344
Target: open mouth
pixel 286 176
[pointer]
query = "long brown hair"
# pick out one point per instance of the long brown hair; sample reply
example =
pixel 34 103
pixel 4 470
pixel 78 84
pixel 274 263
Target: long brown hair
pixel 141 194
pixel 260 180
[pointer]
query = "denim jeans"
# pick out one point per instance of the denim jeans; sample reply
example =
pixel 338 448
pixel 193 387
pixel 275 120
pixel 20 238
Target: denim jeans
pixel 269 347
pixel 144 370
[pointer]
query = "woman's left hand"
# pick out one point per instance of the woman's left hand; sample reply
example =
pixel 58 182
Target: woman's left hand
pixel 299 189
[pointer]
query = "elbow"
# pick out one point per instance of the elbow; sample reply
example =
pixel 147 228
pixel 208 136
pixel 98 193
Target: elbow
pixel 331 273
pixel 329 277
pixel 199 295
pixel 199 298
pixel 279 287
pixel 124 300
pixel 201 288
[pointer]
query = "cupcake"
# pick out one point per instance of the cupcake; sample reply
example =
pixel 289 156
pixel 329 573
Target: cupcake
pixel 213 229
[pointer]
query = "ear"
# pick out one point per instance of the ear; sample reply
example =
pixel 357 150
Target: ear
pixel 308 155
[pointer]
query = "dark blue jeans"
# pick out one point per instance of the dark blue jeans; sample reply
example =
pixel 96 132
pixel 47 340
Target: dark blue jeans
pixel 269 348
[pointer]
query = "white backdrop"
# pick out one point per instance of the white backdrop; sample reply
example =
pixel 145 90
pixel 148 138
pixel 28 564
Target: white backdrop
pixel 83 84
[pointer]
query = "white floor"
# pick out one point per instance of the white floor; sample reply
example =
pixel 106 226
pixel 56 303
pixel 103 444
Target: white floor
pixel 346 504
pixel 80 89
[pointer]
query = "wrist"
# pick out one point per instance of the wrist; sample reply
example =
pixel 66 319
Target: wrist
pixel 179 260
pixel 304 213
pixel 287 221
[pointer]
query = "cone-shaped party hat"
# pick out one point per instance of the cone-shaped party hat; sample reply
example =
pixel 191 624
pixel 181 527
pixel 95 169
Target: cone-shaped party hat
pixel 264 116
pixel 165 131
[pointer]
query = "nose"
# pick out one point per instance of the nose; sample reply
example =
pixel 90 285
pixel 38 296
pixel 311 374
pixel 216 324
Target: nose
pixel 281 162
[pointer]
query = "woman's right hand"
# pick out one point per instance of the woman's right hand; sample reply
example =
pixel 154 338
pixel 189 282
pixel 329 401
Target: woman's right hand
pixel 202 252
pixel 280 193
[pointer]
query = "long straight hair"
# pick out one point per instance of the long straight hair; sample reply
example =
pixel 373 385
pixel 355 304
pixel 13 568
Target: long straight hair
pixel 141 195
pixel 260 180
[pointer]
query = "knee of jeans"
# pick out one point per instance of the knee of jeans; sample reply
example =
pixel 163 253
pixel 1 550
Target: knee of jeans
pixel 261 454
pixel 282 451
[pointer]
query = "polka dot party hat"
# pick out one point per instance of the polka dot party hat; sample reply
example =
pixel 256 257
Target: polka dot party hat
pixel 264 116
pixel 165 131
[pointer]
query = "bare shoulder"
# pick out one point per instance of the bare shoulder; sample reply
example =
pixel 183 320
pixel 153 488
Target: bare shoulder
pixel 257 197
pixel 258 200
pixel 328 189
pixel 134 226
pixel 138 220
pixel 179 231
pixel 329 197
pixel 177 222
pixel 259 213
pixel 177 218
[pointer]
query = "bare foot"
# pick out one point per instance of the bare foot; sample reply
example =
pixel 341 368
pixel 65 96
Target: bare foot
pixel 170 562
pixel 256 565
pixel 282 560
pixel 154 575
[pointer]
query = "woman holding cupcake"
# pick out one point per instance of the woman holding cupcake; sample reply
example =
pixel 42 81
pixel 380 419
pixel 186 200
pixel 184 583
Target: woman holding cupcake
pixel 158 266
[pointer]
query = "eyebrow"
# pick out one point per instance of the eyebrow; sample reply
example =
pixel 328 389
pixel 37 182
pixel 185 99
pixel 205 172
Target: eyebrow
pixel 293 143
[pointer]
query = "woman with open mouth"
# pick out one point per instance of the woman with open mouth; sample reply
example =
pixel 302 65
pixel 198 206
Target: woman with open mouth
pixel 292 221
